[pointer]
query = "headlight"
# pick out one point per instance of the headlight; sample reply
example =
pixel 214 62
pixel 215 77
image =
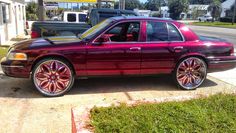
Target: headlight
pixel 16 56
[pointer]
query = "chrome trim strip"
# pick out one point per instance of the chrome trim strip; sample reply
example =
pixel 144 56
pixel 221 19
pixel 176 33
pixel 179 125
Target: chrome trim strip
pixel 227 61
pixel 12 66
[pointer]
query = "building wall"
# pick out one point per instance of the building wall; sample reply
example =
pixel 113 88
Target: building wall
pixel 12 19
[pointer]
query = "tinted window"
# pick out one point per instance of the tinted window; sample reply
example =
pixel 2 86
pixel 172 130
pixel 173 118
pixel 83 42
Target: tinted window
pixel 82 18
pixel 174 34
pixel 124 32
pixel 157 31
pixel 105 15
pixel 71 17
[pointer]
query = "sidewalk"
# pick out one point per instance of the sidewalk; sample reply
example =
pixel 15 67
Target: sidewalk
pixel 226 76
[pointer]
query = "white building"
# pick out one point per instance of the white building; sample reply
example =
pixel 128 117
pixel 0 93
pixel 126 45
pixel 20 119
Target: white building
pixel 165 12
pixel 225 7
pixel 12 19
pixel 199 10
pixel 145 13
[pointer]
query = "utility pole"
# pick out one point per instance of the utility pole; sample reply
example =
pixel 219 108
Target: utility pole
pixel 122 4
pixel 234 14
pixel 41 11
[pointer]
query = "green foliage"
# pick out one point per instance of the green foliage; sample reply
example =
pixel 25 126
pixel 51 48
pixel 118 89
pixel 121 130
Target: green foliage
pixel 215 9
pixel 214 114
pixel 3 52
pixel 217 24
pixel 31 11
pixel 130 5
pixel 176 7
pixel 154 5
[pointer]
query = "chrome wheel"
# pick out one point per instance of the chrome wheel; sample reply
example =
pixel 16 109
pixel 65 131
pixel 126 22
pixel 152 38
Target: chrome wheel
pixel 191 73
pixel 53 77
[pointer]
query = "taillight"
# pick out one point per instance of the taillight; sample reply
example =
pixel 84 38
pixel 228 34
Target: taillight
pixel 35 34
pixel 232 51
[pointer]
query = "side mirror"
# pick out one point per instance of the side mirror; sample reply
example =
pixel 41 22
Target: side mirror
pixel 102 39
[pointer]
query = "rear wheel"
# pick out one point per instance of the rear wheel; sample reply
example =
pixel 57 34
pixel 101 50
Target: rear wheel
pixel 190 73
pixel 53 77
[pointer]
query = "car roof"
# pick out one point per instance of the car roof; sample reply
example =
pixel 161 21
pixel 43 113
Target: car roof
pixel 120 18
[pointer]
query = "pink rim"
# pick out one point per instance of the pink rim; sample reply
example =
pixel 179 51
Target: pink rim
pixel 191 73
pixel 52 77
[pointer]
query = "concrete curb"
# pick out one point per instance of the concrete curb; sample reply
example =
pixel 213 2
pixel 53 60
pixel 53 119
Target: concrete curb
pixel 81 116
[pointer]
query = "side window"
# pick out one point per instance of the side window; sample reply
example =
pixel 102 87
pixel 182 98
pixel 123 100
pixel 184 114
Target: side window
pixel 157 31
pixel 71 17
pixel 82 17
pixel 174 34
pixel 124 32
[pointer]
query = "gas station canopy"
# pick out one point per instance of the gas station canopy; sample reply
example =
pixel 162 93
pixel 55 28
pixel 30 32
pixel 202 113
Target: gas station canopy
pixel 74 1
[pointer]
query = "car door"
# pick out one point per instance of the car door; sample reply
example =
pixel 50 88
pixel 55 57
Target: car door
pixel 157 57
pixel 116 52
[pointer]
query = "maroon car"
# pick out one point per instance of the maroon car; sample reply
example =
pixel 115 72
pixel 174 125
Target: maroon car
pixel 120 46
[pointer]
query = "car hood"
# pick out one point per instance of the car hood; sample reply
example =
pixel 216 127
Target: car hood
pixel 52 41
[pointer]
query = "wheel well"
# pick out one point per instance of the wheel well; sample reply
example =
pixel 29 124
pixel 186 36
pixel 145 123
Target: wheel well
pixel 198 56
pixel 52 56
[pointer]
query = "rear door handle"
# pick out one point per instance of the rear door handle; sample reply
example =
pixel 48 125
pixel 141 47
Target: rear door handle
pixel 135 48
pixel 178 49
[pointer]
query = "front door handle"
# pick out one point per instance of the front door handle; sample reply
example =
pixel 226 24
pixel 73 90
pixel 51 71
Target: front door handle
pixel 178 49
pixel 135 49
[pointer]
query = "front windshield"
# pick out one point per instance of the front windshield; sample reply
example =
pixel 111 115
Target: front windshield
pixel 95 29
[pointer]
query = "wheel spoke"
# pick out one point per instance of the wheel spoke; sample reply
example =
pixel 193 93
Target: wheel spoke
pixel 52 77
pixel 191 73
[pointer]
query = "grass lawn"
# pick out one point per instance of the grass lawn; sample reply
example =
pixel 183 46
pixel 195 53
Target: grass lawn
pixel 3 52
pixel 215 24
pixel 214 114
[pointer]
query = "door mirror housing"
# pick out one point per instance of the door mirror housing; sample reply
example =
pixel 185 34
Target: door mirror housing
pixel 102 39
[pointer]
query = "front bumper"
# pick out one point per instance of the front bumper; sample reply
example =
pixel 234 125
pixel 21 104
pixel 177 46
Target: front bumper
pixel 216 64
pixel 18 69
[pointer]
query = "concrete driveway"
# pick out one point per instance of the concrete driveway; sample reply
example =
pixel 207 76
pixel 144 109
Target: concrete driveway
pixel 24 110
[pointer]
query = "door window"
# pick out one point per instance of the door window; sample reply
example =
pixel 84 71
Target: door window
pixel 71 17
pixel 157 31
pixel 174 34
pixel 124 32
pixel 82 17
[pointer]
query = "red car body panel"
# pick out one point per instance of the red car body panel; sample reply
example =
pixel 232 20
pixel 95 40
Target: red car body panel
pixel 126 58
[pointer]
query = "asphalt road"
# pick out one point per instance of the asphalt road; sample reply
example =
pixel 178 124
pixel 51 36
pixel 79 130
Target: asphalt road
pixel 224 33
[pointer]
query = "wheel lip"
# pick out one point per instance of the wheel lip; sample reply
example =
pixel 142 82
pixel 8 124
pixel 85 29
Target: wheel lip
pixel 205 71
pixel 53 94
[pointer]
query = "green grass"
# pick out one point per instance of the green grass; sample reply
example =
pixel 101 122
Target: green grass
pixel 214 114
pixel 3 52
pixel 215 24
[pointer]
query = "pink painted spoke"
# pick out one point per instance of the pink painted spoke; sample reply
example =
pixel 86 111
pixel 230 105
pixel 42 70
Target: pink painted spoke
pixel 53 77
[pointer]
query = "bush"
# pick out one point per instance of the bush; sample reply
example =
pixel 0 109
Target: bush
pixel 226 19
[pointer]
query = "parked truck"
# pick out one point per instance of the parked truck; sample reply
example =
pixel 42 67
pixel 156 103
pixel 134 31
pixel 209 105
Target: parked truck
pixel 75 23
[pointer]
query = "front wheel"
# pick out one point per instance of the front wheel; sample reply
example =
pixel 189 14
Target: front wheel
pixel 190 73
pixel 53 77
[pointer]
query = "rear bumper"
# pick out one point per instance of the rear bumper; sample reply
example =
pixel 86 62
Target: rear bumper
pixel 216 64
pixel 15 68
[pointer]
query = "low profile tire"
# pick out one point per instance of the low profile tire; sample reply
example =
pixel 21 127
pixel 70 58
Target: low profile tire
pixel 190 73
pixel 53 77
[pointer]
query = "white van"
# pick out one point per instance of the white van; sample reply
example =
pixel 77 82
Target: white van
pixel 74 17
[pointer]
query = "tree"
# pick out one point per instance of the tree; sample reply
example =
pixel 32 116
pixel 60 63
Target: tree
pixel 176 7
pixel 154 5
pixel 130 4
pixel 31 11
pixel 215 9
